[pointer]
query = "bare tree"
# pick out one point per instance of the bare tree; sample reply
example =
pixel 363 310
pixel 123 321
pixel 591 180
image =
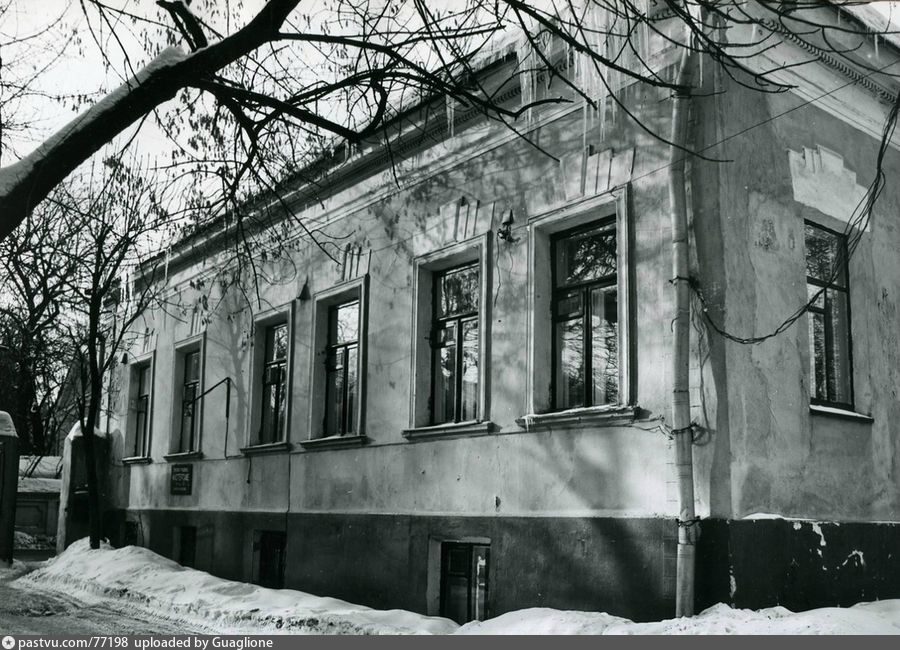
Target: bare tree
pixel 261 95
pixel 35 332
pixel 95 230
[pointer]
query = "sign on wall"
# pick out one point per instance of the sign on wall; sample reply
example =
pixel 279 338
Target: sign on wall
pixel 181 480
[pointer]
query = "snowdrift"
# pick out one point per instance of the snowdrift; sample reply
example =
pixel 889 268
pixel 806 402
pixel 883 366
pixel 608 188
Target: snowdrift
pixel 138 577
pixel 134 577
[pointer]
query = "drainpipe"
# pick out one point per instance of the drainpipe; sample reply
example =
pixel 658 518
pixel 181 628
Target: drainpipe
pixel 681 407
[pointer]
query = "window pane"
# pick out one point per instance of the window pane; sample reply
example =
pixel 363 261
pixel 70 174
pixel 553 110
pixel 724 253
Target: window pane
pixel 273 413
pixel 276 342
pixel 604 347
pixel 188 421
pixel 570 305
pixel 140 429
pixel 192 366
pixel 469 406
pixel 343 323
pixel 824 256
pixel 569 379
pixel 480 570
pixel 818 356
pixel 144 381
pixel 811 291
pixel 334 397
pixel 457 291
pixel 837 342
pixel 350 411
pixel 445 376
pixel 586 256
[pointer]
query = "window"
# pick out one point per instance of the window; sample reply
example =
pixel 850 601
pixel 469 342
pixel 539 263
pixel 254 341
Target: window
pixel 274 384
pixel 585 317
pixel 143 376
pixel 338 372
pixel 185 552
pixel 454 388
pixel 190 407
pixel 342 363
pixel 582 309
pixel 269 547
pixel 450 391
pixel 830 363
pixel 464 581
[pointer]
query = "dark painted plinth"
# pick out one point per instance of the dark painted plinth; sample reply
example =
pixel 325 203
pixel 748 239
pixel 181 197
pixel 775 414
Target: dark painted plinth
pixel 799 565
pixel 622 566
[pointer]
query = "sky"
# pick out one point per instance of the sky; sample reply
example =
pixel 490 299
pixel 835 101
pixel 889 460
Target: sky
pixel 79 73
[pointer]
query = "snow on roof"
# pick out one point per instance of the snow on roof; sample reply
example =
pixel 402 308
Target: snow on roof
pixel 142 579
pixel 45 466
pixel 76 432
pixel 35 484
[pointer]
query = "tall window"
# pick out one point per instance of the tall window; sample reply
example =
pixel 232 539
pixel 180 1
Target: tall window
pixel 830 366
pixel 274 384
pixel 454 388
pixel 190 389
pixel 585 317
pixel 142 411
pixel 342 363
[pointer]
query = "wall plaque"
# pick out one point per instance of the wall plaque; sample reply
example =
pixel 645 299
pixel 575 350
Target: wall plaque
pixel 181 479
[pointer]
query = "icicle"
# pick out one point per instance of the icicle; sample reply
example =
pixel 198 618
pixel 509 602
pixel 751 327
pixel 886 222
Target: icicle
pixel 451 113
pixel 876 45
pixel 526 76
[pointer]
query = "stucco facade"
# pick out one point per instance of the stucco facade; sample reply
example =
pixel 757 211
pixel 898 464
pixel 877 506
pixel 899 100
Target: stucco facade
pixel 576 506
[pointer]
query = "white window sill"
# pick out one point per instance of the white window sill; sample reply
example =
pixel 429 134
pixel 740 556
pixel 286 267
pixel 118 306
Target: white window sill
pixel 449 430
pixel 333 442
pixel 183 455
pixel 137 460
pixel 831 411
pixel 268 448
pixel 582 418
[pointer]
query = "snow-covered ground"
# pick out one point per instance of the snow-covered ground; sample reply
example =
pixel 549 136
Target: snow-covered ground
pixel 138 579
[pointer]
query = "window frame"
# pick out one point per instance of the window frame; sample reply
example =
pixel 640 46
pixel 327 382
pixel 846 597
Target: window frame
pixel 825 287
pixel 347 425
pixel 194 344
pixel 280 386
pixel 542 229
pixel 438 323
pixel 283 315
pixel 135 369
pixel 584 289
pixel 475 250
pixel 343 293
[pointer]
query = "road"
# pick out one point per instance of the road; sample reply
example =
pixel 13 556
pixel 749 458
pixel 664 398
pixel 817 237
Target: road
pixel 29 612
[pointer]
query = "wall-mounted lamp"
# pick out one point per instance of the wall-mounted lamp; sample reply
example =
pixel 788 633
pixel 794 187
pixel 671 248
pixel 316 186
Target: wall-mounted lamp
pixel 124 358
pixel 304 294
pixel 505 231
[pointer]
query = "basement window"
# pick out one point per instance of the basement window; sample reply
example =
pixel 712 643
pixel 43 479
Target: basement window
pixel 464 581
pixel 269 548
pixel 186 545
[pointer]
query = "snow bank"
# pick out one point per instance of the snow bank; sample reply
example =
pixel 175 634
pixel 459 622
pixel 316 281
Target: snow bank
pixel 865 618
pixel 136 578
pixel 139 578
